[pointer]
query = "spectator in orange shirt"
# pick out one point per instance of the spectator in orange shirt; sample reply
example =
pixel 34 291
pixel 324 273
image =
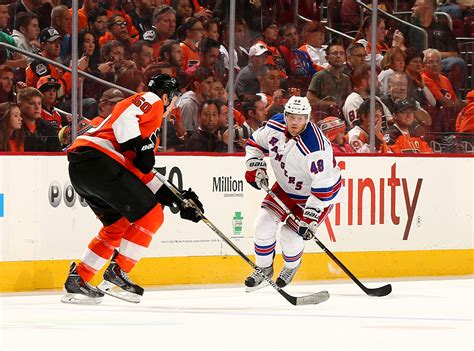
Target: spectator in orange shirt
pixel 164 27
pixel 398 135
pixel 190 33
pixel 465 119
pixel 82 13
pixel 117 29
pixel 439 85
pixel 269 40
pixel 113 8
pixel 208 54
pixel 12 136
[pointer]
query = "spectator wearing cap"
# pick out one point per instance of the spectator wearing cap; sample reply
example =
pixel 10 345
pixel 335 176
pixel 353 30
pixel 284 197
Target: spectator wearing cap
pixel 330 87
pixel 49 87
pixel 246 82
pixel 398 136
pixel 201 82
pixel 109 99
pixel 359 137
pixel 50 48
pixel 335 130
pixel 164 27
pixel 40 135
pixel 314 38
pixel 398 89
pixel 26 33
pixel 269 40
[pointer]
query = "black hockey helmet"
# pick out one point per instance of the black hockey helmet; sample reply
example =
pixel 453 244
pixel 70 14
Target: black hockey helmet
pixel 164 84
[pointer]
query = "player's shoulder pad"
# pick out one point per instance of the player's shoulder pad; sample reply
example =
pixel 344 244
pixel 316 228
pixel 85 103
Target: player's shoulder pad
pixel 312 139
pixel 277 122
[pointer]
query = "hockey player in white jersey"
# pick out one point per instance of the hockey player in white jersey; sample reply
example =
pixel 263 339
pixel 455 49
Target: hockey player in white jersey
pixel 308 181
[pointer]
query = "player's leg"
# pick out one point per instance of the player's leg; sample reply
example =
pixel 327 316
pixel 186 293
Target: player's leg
pixel 266 226
pixel 292 246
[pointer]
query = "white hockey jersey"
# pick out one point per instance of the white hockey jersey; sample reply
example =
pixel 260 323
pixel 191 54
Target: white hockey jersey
pixel 304 165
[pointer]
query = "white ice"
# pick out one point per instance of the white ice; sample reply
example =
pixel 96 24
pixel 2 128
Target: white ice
pixel 417 315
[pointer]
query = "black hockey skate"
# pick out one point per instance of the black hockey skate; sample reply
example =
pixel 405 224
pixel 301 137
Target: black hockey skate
pixel 116 283
pixel 255 281
pixel 286 276
pixel 77 291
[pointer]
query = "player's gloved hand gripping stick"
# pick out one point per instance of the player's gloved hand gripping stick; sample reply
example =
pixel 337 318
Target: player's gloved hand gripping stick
pixel 311 299
pixel 309 233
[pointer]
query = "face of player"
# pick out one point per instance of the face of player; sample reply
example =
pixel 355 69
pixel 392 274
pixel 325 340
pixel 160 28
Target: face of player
pixel 4 16
pixel 32 30
pixel 31 109
pixel 6 81
pixel 405 118
pixel 213 32
pixel 166 25
pixel 15 118
pixel 52 48
pixel 296 123
pixel 209 118
pixel 49 96
pixel 89 44
pixel 399 89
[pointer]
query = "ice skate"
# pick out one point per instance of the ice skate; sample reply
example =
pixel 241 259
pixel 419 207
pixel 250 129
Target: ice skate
pixel 255 281
pixel 116 283
pixel 286 276
pixel 77 291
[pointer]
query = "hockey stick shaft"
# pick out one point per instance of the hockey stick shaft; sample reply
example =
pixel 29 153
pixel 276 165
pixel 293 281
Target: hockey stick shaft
pixel 310 299
pixel 382 291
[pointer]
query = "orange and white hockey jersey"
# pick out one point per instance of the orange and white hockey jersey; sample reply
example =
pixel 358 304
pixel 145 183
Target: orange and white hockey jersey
pixel 138 115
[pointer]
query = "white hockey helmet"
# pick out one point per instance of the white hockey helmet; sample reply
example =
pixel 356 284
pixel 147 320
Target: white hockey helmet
pixel 298 105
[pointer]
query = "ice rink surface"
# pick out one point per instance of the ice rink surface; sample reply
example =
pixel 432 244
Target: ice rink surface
pixel 418 315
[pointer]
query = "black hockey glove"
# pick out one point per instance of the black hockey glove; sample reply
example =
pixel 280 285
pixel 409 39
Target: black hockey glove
pixel 145 155
pixel 189 212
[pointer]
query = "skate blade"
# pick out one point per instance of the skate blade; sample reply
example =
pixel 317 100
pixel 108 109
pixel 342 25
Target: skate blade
pixel 258 287
pixel 79 299
pixel 117 292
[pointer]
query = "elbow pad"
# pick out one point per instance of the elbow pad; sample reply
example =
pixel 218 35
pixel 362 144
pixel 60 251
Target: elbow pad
pixel 144 153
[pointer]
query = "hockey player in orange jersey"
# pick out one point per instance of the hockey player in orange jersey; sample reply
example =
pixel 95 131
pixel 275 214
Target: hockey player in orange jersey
pixel 111 168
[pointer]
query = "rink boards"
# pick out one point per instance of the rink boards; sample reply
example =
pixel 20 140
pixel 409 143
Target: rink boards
pixel 401 216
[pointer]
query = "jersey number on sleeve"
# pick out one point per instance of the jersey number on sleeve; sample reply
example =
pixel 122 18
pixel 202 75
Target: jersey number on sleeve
pixel 317 167
pixel 142 103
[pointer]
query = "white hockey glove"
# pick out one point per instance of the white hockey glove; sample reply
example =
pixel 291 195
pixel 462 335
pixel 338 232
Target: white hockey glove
pixel 309 222
pixel 256 174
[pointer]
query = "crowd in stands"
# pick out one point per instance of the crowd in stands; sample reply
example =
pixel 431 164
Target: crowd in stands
pixel 424 100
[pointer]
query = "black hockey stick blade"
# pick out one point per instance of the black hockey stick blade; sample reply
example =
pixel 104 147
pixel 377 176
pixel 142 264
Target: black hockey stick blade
pixel 382 291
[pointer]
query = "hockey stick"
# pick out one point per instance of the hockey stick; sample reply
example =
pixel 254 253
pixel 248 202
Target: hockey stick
pixel 312 299
pixel 381 291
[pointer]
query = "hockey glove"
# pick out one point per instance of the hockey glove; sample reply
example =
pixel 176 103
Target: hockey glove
pixel 190 213
pixel 256 174
pixel 309 222
pixel 145 155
